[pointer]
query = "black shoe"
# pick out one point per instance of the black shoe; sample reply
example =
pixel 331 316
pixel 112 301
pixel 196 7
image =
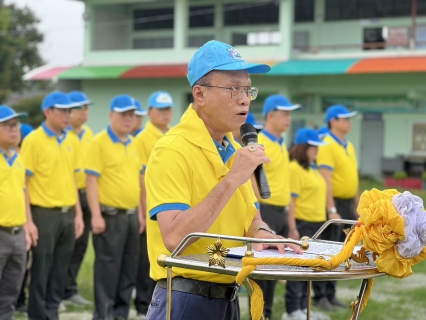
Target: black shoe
pixel 324 304
pixel 336 302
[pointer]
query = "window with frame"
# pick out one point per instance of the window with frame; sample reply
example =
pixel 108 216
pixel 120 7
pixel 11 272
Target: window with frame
pixel 201 16
pixel 336 10
pixel 304 10
pixel 152 19
pixel 418 137
pixel 252 13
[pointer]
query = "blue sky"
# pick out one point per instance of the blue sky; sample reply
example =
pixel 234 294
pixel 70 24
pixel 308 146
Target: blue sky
pixel 63 27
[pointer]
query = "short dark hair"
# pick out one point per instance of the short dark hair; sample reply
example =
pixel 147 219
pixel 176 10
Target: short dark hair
pixel 205 80
pixel 299 153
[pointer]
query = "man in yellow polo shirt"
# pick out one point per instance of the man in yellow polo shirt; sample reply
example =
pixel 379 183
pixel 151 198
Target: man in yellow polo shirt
pixel 338 165
pixel 113 169
pixel 83 136
pixel 14 241
pixel 160 113
pixel 198 180
pixel 277 112
pixel 50 158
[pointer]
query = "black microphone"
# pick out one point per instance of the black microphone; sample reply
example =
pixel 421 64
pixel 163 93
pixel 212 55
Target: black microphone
pixel 249 136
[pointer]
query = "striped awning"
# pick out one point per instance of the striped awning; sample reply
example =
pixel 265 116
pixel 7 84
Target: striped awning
pixel 108 72
pixel 349 66
pixel 286 68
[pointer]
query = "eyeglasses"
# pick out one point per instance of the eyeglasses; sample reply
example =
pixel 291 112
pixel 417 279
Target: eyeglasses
pixel 10 125
pixel 237 91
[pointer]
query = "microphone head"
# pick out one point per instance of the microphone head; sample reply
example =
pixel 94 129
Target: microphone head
pixel 248 133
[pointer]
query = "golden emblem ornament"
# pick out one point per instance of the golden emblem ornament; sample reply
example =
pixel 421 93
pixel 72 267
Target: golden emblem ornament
pixel 217 254
pixel 361 256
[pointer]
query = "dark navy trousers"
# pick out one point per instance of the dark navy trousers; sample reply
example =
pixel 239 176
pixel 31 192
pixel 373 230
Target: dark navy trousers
pixel 186 306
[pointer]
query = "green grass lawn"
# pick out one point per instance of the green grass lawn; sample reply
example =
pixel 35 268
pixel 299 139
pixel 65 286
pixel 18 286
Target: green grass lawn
pixel 392 299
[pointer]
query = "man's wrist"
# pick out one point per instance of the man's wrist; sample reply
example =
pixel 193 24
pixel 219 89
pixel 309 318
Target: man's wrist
pixel 332 210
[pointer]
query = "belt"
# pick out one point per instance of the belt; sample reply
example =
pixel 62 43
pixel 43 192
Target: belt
pixel 112 211
pixel 274 207
pixel 62 209
pixel 202 288
pixel 11 230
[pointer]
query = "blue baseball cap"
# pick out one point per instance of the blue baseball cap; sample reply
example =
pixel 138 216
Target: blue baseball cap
pixel 26 129
pixel 57 99
pixel 140 111
pixel 79 98
pixel 278 102
pixel 338 112
pixel 7 113
pixel 123 103
pixel 322 132
pixel 309 136
pixel 252 120
pixel 216 55
pixel 160 100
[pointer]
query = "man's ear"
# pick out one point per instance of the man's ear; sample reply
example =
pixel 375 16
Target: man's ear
pixel 198 95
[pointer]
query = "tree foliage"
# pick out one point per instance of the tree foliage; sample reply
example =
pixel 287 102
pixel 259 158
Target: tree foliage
pixel 32 106
pixel 19 40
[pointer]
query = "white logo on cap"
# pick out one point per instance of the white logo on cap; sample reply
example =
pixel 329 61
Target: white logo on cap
pixel 164 98
pixel 235 54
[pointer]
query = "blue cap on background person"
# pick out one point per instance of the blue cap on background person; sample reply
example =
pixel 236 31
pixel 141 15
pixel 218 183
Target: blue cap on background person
pixel 26 129
pixel 216 55
pixel 7 113
pixel 323 132
pixel 252 120
pixel 79 98
pixel 123 103
pixel 160 100
pixel 278 102
pixel 140 111
pixel 309 136
pixel 338 112
pixel 59 100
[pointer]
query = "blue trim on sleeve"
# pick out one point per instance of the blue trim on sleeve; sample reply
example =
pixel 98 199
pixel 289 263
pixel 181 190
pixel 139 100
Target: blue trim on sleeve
pixel 92 172
pixel 167 207
pixel 256 205
pixel 294 195
pixel 77 170
pixel 29 172
pixel 143 169
pixel 325 167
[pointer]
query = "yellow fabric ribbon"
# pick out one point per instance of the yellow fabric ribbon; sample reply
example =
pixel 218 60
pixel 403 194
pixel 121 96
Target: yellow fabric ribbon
pixel 380 226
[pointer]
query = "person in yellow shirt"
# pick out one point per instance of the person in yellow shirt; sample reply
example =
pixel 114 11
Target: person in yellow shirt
pixel 338 165
pixel 113 177
pixel 306 213
pixel 139 114
pixel 50 158
pixel 277 112
pixel 160 113
pixel 198 180
pixel 83 136
pixel 13 215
